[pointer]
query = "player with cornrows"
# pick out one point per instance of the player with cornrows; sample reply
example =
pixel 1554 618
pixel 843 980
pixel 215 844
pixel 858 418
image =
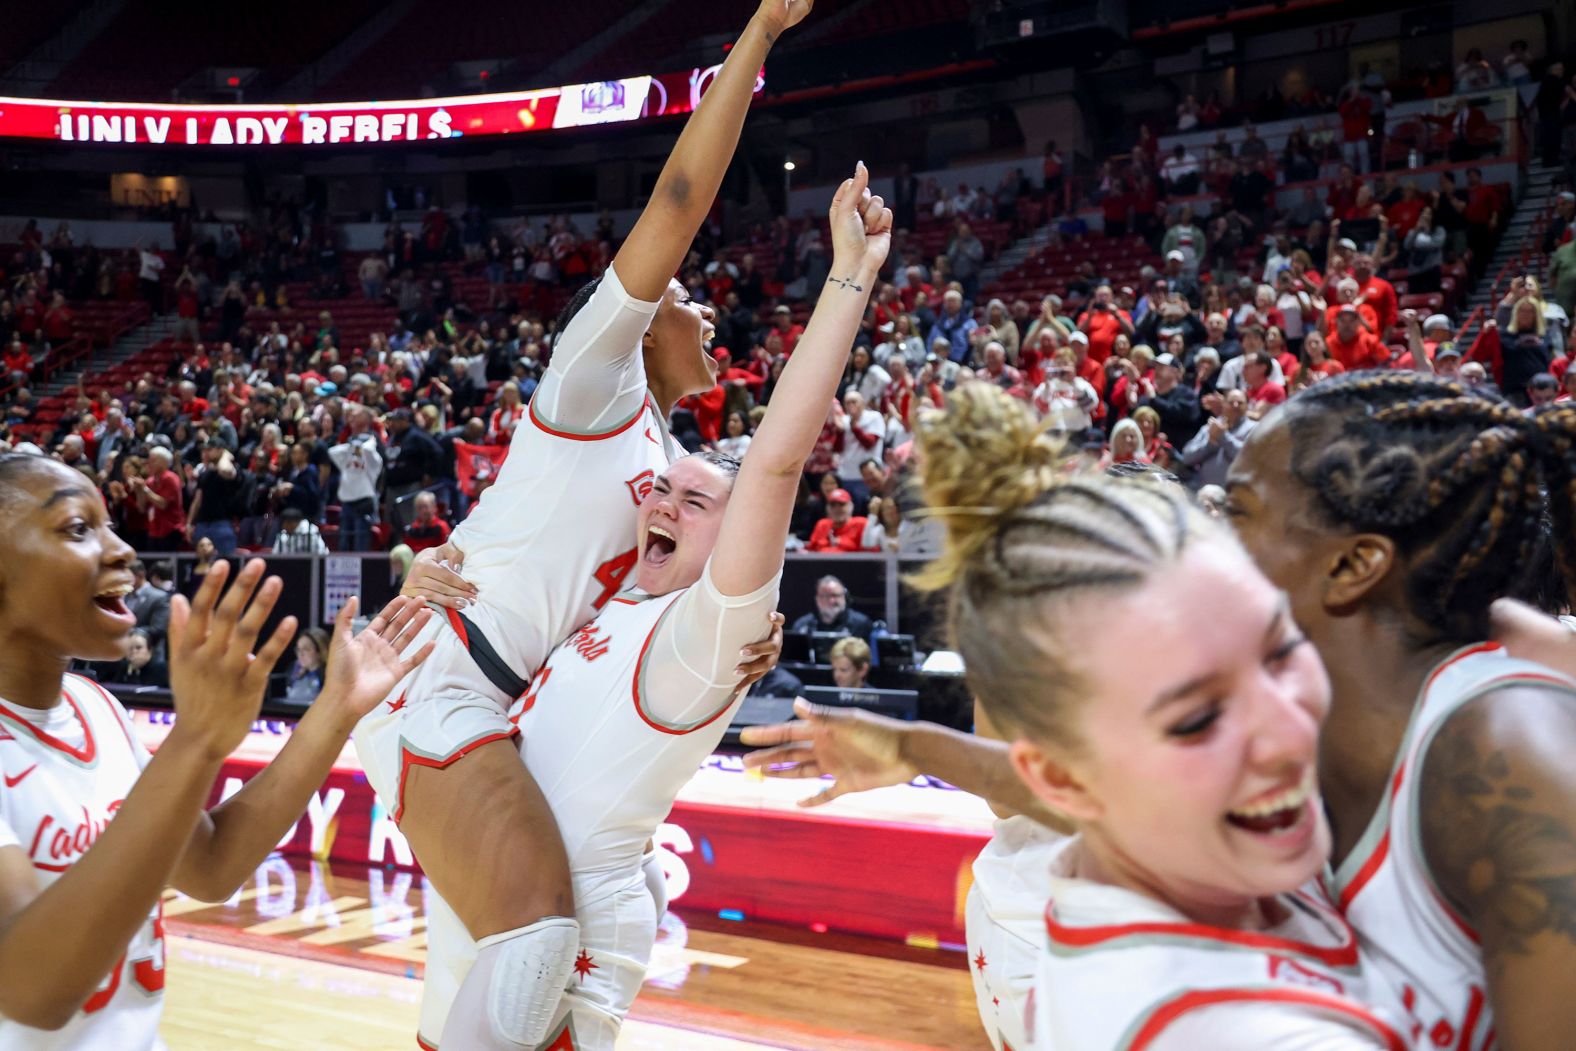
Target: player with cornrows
pixel 1394 509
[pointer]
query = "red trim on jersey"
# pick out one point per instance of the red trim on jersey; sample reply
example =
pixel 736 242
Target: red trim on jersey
pixel 589 437
pixel 1202 998
pixel 634 689
pixel 1086 937
pixel 1470 1024
pixel 408 759
pixel 626 601
pixel 116 712
pixel 424 1045
pixel 85 754
pixel 459 626
pixel 1381 851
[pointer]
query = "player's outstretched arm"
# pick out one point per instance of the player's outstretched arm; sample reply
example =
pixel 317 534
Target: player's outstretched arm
pixel 57 946
pixel 690 179
pixel 234 837
pixel 749 551
pixel 860 751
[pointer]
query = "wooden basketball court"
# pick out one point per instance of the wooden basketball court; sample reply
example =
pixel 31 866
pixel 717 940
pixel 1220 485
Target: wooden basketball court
pixel 329 957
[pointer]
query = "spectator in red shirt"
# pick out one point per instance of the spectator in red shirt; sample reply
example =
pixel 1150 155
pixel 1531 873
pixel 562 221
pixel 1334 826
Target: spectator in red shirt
pixel 1482 216
pixel 917 286
pixel 1356 122
pixel 59 322
pixel 1375 291
pixel 1343 194
pixel 18 362
pixel 1089 370
pixel 1263 392
pixel 783 325
pixel 1353 347
pixel 1404 213
pixel 159 496
pixel 1347 292
pixel 1102 322
pixel 841 529
pixel 504 419
pixel 428 530
pixel 1117 207
pixel 707 409
pixel 730 375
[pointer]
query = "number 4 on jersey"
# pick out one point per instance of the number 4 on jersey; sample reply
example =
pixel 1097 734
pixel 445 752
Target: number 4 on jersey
pixel 611 574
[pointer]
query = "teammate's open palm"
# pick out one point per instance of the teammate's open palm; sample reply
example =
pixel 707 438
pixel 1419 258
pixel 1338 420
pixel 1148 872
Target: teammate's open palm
pixel 859 750
pixel 363 668
pixel 217 679
pixel 778 15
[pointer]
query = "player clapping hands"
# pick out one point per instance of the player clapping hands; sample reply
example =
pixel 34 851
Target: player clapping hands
pixel 81 942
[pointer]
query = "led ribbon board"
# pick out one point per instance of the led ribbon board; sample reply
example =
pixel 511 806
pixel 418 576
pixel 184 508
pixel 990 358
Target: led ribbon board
pixel 353 123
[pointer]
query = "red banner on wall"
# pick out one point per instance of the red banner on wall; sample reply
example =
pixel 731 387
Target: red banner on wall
pixel 885 880
pixel 474 464
pixel 352 123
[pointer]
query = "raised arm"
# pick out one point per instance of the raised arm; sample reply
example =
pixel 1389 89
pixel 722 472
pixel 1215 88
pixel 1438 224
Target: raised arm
pixel 747 556
pixel 690 179
pixel 1414 343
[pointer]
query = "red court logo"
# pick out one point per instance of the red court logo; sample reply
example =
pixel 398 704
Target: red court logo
pixel 640 485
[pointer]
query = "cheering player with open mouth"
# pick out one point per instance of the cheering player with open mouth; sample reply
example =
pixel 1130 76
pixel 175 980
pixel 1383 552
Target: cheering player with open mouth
pixel 623 712
pixel 545 551
pixel 81 937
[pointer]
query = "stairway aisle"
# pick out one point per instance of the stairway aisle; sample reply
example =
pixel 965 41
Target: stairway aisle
pixel 1538 191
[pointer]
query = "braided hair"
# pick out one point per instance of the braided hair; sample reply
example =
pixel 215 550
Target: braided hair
pixel 1022 533
pixel 1471 490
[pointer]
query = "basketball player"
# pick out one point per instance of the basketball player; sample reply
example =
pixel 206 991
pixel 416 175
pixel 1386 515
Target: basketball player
pixel 1394 510
pixel 1183 912
pixel 625 710
pixel 548 547
pixel 81 934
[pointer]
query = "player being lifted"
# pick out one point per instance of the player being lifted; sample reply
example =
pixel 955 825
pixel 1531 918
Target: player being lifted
pixel 547 548
pixel 623 713
pixel 81 938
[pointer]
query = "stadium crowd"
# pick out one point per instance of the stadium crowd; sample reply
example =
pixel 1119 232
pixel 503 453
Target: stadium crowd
pixel 269 430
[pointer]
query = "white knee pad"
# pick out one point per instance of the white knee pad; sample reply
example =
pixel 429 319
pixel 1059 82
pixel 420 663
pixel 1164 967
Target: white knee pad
pixel 656 883
pixel 530 970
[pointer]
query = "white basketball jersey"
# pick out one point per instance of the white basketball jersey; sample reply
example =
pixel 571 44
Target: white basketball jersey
pixel 57 799
pixel 1123 972
pixel 553 539
pixel 610 767
pixel 1004 925
pixel 1409 931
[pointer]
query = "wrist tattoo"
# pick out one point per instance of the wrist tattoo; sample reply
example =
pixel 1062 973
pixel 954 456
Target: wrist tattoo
pixel 848 282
